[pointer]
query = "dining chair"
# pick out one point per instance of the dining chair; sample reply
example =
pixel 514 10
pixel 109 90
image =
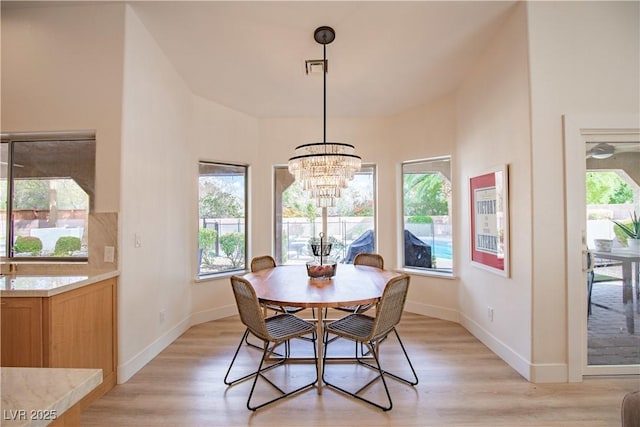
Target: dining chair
pixel 630 409
pixel 266 261
pixel 372 331
pixel 273 331
pixel 372 260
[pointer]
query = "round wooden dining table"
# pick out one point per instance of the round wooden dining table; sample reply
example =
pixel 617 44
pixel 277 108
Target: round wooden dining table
pixel 290 286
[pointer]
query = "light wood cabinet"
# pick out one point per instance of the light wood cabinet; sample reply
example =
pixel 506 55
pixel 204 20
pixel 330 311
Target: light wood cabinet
pixel 21 331
pixel 73 329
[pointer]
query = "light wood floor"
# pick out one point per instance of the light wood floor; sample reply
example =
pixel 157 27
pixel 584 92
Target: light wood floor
pixel 462 383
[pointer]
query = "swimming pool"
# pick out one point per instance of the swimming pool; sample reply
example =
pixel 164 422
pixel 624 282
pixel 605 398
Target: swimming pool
pixel 440 248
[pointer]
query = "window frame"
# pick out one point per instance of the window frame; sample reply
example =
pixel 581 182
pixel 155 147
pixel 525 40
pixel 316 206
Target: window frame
pixel 36 137
pixel 447 273
pixel 246 206
pixel 323 217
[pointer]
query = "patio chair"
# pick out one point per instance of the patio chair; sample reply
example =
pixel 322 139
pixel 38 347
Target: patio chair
pixel 274 330
pixel 371 331
pixel 594 277
pixel 372 260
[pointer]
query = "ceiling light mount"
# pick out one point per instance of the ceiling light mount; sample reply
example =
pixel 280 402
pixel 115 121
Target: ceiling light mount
pixel 324 35
pixel 324 168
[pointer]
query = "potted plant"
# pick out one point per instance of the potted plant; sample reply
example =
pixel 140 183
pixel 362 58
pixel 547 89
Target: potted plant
pixel 631 230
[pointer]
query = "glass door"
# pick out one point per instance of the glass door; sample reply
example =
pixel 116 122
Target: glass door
pixel 602 178
pixel 612 182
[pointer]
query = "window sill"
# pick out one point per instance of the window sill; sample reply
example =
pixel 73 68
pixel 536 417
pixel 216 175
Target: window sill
pixel 218 276
pixel 426 273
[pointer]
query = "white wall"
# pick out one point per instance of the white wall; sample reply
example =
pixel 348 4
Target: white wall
pixel 156 202
pixel 493 130
pixel 584 60
pixel 421 133
pixel 55 80
pixel 222 134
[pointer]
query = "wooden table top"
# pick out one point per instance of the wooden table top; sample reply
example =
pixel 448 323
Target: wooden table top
pixel 289 285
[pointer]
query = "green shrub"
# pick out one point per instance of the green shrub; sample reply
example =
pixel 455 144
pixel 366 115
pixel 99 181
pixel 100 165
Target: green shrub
pixel 420 219
pixel 27 244
pixel 207 238
pixel 206 242
pixel 233 247
pixel 66 246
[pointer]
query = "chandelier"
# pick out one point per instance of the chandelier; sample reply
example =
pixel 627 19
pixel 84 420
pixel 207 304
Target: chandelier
pixel 324 168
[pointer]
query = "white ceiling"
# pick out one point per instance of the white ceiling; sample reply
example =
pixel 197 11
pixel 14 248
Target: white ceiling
pixel 388 56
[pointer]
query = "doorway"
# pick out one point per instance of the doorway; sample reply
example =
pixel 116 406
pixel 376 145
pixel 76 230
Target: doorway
pixel 601 148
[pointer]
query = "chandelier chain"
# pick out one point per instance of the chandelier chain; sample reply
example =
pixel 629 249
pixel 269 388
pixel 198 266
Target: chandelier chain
pixel 324 169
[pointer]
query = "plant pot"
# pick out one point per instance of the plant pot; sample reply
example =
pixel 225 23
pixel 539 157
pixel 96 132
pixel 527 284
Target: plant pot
pixel 633 244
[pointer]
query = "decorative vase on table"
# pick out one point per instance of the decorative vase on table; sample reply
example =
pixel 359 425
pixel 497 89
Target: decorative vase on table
pixel 633 244
pixel 321 268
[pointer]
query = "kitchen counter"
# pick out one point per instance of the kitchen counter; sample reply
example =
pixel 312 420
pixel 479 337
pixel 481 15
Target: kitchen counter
pixel 47 285
pixel 40 396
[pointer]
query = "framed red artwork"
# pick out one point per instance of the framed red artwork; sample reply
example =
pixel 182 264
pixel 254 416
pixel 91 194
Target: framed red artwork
pixel 488 194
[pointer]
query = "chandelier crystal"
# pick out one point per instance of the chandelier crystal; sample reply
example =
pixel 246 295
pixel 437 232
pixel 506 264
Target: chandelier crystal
pixel 324 169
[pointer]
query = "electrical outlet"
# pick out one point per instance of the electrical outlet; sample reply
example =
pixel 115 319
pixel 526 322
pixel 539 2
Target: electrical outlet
pixel 109 253
pixel 490 313
pixel 137 240
pixel 162 316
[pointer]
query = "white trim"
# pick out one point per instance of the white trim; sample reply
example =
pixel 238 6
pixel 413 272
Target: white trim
pixel 213 314
pixel 612 370
pixel 549 373
pixel 502 350
pixel 443 313
pixel 129 368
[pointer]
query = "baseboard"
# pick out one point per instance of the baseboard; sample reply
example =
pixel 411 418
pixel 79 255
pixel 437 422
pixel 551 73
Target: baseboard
pixel 506 353
pixel 213 314
pixel 438 312
pixel 535 373
pixel 133 365
pixel 549 373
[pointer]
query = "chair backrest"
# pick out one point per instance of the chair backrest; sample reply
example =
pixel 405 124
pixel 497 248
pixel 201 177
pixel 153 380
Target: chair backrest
pixel 261 262
pixel 372 260
pixel 390 307
pixel 248 307
pixel 631 409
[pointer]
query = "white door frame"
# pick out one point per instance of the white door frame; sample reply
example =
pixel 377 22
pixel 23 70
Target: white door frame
pixel 578 130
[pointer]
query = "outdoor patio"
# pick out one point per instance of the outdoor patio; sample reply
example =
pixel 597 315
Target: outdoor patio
pixel 610 342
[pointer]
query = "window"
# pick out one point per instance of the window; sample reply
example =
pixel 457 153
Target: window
pixel 350 224
pixel 222 207
pixel 426 207
pixel 47 193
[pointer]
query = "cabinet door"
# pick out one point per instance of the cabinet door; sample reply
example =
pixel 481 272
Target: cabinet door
pixel 81 328
pixel 21 325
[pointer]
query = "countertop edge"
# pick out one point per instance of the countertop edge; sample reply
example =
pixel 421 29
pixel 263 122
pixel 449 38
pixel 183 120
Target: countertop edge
pixel 29 411
pixel 51 292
